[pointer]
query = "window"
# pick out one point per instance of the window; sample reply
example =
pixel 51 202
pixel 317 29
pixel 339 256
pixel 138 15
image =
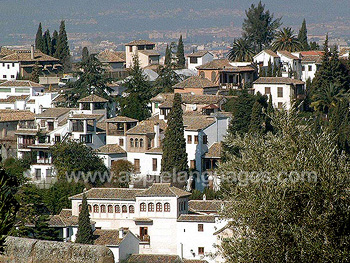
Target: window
pixel 280 105
pixel 96 209
pixel 130 48
pixel 110 209
pixel 141 143
pixel 159 207
pixel 267 90
pixel 131 209
pixel 80 206
pixel 202 74
pixel 103 209
pixel 117 209
pixel 5 89
pixel 86 138
pixel 8 66
pixel 189 139
pixel 13 65
pixel 89 207
pixel 48 173
pixel 205 139
pixel 213 76
pixel 303 68
pixel 121 142
pixel 156 105
pixel 124 209
pixel 22 90
pixel 136 143
pixel 50 125
pixel 166 207
pixel 150 207
pixel 193 164
pixel 200 228
pixel 137 165
pixel 201 251
pixel 131 142
pixel 42 123
pixel 4 76
pixel 12 76
pixel 280 92
pixel 193 60
pixel 154 164
pixel 196 139
pixel 142 207
pixel 57 138
pixel 310 67
pixel 37 174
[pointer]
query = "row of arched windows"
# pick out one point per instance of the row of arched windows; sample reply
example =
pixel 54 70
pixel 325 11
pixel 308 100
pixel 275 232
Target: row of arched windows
pixel 110 208
pixel 150 206
pixel 136 143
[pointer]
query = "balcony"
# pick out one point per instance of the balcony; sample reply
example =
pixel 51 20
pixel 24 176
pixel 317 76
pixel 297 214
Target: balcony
pixel 43 161
pixel 146 239
pixel 27 126
pixel 24 145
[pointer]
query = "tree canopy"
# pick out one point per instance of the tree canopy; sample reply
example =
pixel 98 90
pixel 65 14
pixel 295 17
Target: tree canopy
pixel 84 234
pixel 285 39
pixel 241 50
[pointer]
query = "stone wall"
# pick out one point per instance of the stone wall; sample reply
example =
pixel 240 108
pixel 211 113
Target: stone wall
pixel 24 250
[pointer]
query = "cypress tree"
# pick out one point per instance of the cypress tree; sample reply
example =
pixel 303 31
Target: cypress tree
pixel 84 54
pixel 275 70
pixel 270 110
pixel 256 119
pixel 47 43
pixel 167 60
pixel 84 234
pixel 62 50
pixel 279 72
pixel 302 36
pixel 39 41
pixel 269 69
pixel 54 43
pixel 174 143
pixel 35 73
pixel 42 231
pixel 180 54
pixel 314 45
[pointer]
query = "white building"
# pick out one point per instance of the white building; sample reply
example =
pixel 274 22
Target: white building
pixel 310 63
pixel 263 58
pixel 198 58
pixel 284 91
pixel 291 65
pixel 144 49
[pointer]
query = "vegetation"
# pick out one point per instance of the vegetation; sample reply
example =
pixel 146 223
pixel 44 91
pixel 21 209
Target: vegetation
pixel 84 234
pixel 167 79
pixel 302 37
pixel 85 55
pixel 286 40
pixel 120 170
pixel 180 54
pixel 39 41
pixel 35 73
pixel 62 49
pixel 168 56
pixel 241 50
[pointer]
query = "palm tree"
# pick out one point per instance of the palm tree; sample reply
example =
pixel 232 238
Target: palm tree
pixel 241 50
pixel 286 40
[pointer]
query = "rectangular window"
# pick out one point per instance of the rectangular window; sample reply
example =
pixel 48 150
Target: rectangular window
pixel 48 173
pixel 50 125
pixel 196 139
pixel 4 76
pixel 8 66
pixel 130 48
pixel 280 92
pixel 42 123
pixel 205 139
pixel 121 142
pixel 137 165
pixel 201 251
pixel 86 138
pixel 22 90
pixel 200 228
pixel 154 164
pixel 193 60
pixel 193 164
pixel 37 174
pixel 189 139
pixel 57 138
pixel 12 76
pixel 13 65
pixel 8 90
pixel 303 68
pixel 267 90
pixel 310 67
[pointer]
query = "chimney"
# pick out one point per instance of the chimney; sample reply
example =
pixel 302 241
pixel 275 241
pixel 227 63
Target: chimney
pixel 204 197
pixel 32 51
pixel 156 135
pixel 121 233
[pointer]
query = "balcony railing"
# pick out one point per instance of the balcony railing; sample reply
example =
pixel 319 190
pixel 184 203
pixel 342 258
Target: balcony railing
pixel 145 239
pixel 29 126
pixel 24 145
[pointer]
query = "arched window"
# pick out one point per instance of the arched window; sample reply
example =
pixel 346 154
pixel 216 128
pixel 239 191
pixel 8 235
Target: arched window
pixel 80 206
pixel 159 207
pixel 150 207
pixel 89 207
pixel 166 207
pixel 117 209
pixel 124 209
pixel 110 209
pixel 136 143
pixel 213 76
pixel 131 209
pixel 142 207
pixel 141 143
pixel 96 209
pixel 103 209
pixel 202 74
pixel 131 142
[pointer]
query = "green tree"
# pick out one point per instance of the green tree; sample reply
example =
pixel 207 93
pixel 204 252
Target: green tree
pixel 269 72
pixel 84 234
pixel 39 41
pixel 168 57
pixel 62 48
pixel 167 79
pixel 259 27
pixel 286 40
pixel 43 231
pixel 35 73
pixel 47 43
pixel 256 119
pixel 175 139
pixel 269 113
pixel 54 43
pixel 314 45
pixel 85 55
pixel 119 171
pixel 180 54
pixel 287 195
pixel 241 50
pixel 302 36
pixel 275 70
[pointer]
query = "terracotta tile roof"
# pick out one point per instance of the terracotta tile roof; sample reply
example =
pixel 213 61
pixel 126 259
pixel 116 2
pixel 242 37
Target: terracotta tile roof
pixel 31 101
pixel 205 206
pixel 214 151
pixel 312 53
pixel 12 99
pixel 278 80
pixel 111 148
pixel 143 219
pixel 25 56
pixel 26 132
pixel 107 237
pixel 194 261
pixel 21 83
pixel 155 150
pixel 216 64
pixel 147 126
pixel 53 112
pixel 87 116
pixel 139 42
pixel 111 56
pixel 149 52
pixel 195 123
pixel 163 189
pixel 198 53
pixel 287 54
pixel 210 107
pixel 121 119
pixel 239 69
pixel 92 98
pixel 195 82
pixel 64 219
pixel 188 98
pixel 16 115
pixel 168 104
pixel 6 51
pixel 109 193
pixel 196 218
pixel 316 59
pixel 271 53
pixel 149 258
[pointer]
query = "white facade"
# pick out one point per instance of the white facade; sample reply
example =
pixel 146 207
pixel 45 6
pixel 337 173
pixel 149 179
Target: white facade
pixel 291 65
pixel 9 70
pixel 194 60
pixel 262 59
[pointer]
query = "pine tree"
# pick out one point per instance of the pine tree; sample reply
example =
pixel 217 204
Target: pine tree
pixel 84 54
pixel 269 112
pixel 275 70
pixel 39 41
pixel 314 45
pixel 47 43
pixel 42 231
pixel 54 42
pixel 256 119
pixel 180 54
pixel 269 71
pixel 174 143
pixel 302 36
pixel 62 49
pixel 84 234
pixel 279 72
pixel 35 73
pixel 167 60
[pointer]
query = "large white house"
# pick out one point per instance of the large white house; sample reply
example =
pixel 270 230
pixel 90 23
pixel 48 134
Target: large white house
pixel 310 63
pixel 198 58
pixel 263 58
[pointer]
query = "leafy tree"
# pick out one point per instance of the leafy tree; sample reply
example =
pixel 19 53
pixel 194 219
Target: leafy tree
pixel 62 48
pixel 275 70
pixel 43 231
pixel 314 45
pixel 35 73
pixel 256 119
pixel 302 36
pixel 174 139
pixel 269 72
pixel 54 43
pixel 16 168
pixel 180 54
pixel 286 40
pixel 167 79
pixel 168 57
pixel 84 234
pixel 39 41
pixel 85 55
pixel 269 113
pixel 259 27
pixel 241 50
pixel 119 171
pixel 47 43
pixel 287 196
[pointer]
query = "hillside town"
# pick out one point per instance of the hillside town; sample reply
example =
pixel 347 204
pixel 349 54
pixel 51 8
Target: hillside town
pixel 176 155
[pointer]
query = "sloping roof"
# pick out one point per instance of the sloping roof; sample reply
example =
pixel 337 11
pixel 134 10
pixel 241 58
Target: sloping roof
pixel 271 53
pixel 64 219
pixel 216 64
pixel 287 54
pixel 149 52
pixel 53 112
pixel 25 55
pixel 200 53
pixel 205 206
pixel 214 151
pixel 196 218
pixel 312 53
pixel 150 258
pixel 12 99
pixel 147 126
pixel 278 80
pixel 139 42
pixel 109 193
pixel 194 261
pixel 21 83
pixel 155 150
pixel 163 189
pixel 92 98
pixel 195 82
pixel 198 122
pixel 107 237
pixel 316 59
pixel 87 116
pixel 111 56
pixel 121 119
pixel 188 98
pixel 110 149
pixel 16 115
